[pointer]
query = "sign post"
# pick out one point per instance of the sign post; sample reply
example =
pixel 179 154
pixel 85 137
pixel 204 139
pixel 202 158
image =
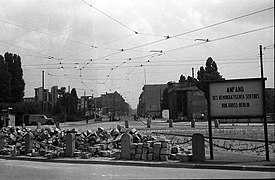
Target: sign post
pixel 237 98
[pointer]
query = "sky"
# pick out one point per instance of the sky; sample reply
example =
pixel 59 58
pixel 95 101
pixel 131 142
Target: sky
pixel 102 46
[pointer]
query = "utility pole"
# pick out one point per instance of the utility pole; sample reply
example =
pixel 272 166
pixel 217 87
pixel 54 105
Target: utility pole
pixel 84 103
pixel 192 72
pixel 43 92
pixel 264 106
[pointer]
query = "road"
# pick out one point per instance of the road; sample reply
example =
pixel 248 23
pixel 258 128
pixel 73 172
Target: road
pixel 14 169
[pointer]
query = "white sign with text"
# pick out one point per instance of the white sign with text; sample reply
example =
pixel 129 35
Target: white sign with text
pixel 236 98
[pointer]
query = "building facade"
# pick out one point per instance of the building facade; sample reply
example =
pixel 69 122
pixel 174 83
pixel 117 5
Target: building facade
pixel 105 104
pixel 150 100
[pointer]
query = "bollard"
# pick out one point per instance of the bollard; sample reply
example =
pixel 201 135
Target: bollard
pixel 148 123
pixel 216 123
pixel 126 124
pixel 198 148
pixel 70 145
pixel 126 141
pixel 39 125
pixel 28 142
pixel 1 141
pixel 57 125
pixel 170 123
pixel 192 123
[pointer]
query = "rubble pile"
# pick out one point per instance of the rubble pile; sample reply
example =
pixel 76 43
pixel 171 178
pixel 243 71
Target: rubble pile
pixel 51 142
pixel 181 154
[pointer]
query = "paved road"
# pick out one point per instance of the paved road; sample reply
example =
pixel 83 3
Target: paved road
pixel 14 169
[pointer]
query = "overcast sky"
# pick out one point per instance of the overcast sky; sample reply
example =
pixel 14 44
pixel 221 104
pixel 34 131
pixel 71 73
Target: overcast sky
pixel 101 46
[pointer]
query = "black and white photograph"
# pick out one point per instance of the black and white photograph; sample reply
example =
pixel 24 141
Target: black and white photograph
pixel 137 89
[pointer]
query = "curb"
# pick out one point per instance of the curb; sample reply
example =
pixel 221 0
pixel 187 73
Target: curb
pixel 142 163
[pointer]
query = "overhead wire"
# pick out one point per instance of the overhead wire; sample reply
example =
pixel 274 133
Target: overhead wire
pixel 185 33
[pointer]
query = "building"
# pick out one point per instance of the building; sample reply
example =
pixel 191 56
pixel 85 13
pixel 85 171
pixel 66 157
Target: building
pixel 86 103
pixel 114 103
pixel 54 94
pixel 186 102
pixel 150 100
pixel 269 100
pixel 109 102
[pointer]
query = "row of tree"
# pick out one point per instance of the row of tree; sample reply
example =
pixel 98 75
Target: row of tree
pixel 12 87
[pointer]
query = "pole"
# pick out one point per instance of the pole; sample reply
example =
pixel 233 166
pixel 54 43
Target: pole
pixel 264 106
pixel 192 72
pixel 209 126
pixel 43 92
pixel 84 103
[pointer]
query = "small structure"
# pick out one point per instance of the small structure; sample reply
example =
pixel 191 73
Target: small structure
pixel 198 148
pixel 126 141
pixel 185 101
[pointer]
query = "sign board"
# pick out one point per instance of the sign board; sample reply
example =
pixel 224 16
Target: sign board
pixel 238 98
pixel 165 113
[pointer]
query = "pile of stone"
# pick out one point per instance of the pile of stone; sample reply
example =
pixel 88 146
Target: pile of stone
pixel 151 151
pixel 50 142
pixel 181 154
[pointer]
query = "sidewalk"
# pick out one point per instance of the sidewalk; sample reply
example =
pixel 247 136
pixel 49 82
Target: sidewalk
pixel 222 160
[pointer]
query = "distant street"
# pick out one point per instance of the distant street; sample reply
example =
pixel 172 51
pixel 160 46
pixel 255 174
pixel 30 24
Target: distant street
pixel 14 169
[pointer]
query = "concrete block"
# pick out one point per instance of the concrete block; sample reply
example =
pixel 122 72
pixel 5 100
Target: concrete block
pixel 144 156
pixel 198 147
pixel 1 141
pixel 170 123
pixel 133 151
pixel 138 157
pixel 146 145
pixel 157 152
pixel 104 153
pixel 175 150
pixel 156 157
pixel 70 145
pixel 173 157
pixel 165 151
pixel 164 144
pixel 157 145
pixel 163 157
pixel 140 145
pixel 126 141
pixel 132 156
pixel 182 157
pixel 126 124
pixel 145 150
pixel 77 154
pixel 139 150
pixel 118 155
pixel 134 145
pixel 150 157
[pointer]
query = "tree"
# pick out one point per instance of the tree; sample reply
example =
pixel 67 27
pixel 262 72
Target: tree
pixel 66 102
pixel 11 80
pixel 73 102
pixel 182 79
pixel 5 83
pixel 189 80
pixel 209 73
